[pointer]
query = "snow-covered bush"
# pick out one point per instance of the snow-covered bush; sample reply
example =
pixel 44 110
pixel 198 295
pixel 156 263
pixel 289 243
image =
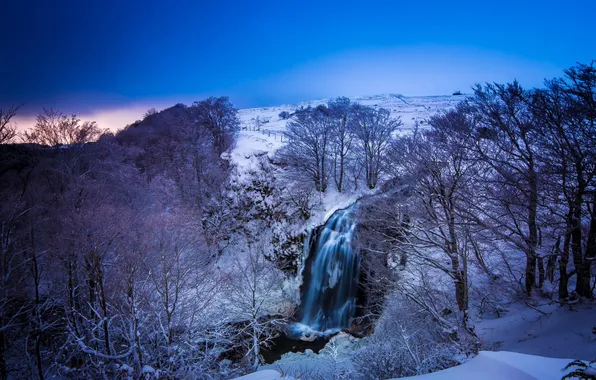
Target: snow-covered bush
pixel 408 342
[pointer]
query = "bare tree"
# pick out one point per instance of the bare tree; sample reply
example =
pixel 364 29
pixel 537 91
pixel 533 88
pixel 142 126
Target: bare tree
pixel 255 294
pixel 13 265
pixel 507 143
pixel 55 128
pixel 442 170
pixel 342 112
pixel 565 109
pixel 308 147
pixel 8 130
pixel 218 116
pixel 374 129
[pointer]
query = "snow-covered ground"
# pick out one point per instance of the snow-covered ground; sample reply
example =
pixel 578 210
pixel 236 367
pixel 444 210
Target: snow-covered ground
pixel 549 330
pixel 487 365
pixel 262 133
pixel 529 343
pixel 501 365
pixel 262 129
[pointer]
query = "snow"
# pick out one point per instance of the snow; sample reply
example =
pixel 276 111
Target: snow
pixel 562 331
pixel 499 365
pixel 487 365
pixel 267 374
pixel 537 344
pixel 530 339
pixel 262 134
pixel 262 130
pixel 332 359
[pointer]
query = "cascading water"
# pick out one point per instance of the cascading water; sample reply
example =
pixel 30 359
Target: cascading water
pixel 330 279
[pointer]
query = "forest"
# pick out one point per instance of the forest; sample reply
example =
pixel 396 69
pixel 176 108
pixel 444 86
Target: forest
pixel 148 252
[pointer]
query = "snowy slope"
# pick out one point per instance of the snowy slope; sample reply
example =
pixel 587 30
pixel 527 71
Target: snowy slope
pixel 502 365
pixel 532 337
pixel 262 133
pixel 554 331
pixel 486 365
pixel 262 129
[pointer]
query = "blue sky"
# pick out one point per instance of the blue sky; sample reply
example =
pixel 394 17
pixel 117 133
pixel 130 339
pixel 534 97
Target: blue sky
pixel 122 57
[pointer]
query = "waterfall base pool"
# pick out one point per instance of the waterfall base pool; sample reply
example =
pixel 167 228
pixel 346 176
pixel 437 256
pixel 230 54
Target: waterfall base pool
pixel 300 331
pixel 284 344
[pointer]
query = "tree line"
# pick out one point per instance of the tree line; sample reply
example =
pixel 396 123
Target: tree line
pixel 109 249
pixel 342 142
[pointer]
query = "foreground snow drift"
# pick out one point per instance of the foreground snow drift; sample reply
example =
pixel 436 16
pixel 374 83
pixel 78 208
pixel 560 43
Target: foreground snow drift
pixel 487 365
pixel 267 374
pixel 499 365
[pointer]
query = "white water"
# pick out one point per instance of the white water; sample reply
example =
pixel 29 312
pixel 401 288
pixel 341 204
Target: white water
pixel 329 300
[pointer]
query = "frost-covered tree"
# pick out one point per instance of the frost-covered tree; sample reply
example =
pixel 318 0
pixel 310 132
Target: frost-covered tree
pixel 406 342
pixel 374 129
pixel 443 172
pixel 507 142
pixel 256 298
pixel 219 117
pixel 308 149
pixel 342 113
pixel 565 109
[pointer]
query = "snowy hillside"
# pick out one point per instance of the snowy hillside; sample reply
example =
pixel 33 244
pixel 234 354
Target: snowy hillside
pixel 262 129
pixel 262 132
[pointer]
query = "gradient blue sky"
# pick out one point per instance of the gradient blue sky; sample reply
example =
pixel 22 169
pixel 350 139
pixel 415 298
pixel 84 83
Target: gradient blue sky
pixel 111 60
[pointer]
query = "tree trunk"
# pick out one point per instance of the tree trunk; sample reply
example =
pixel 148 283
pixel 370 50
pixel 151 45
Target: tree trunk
pixel 590 256
pixel 104 306
pixel 541 272
pixel 530 272
pixel 582 286
pixel 323 174
pixel 533 233
pixel 550 262
pixel 255 346
pixel 563 275
pixel 72 292
pixel 460 284
pixel 341 172
pixel 3 368
pixel 36 309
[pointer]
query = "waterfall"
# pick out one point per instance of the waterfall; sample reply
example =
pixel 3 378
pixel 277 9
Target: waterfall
pixel 330 279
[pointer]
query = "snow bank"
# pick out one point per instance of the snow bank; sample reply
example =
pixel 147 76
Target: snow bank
pixel 487 365
pixel 554 331
pixel 267 374
pixel 503 365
